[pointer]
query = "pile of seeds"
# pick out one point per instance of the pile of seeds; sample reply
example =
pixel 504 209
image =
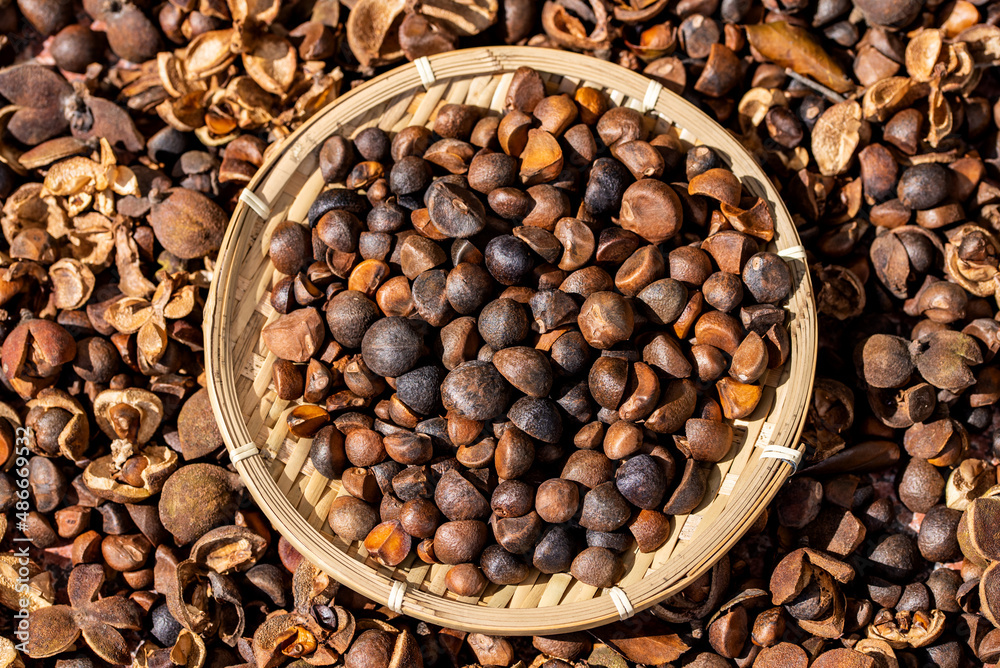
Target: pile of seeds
pixel 550 356
pixel 128 128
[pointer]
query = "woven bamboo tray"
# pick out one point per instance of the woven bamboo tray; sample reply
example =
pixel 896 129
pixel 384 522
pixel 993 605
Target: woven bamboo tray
pixel 275 465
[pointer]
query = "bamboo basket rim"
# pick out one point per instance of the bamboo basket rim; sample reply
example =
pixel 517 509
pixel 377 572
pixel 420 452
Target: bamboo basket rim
pixel 683 567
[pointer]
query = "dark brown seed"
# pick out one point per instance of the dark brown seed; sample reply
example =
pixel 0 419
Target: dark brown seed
pixel 937 539
pixel 766 276
pixel 518 535
pixel 665 298
pixel 664 352
pixel 512 498
pixel 373 647
pixel 750 360
pixel 895 14
pixel 290 247
pixel 477 455
pixel 639 270
pixel 336 158
pixel 288 381
pixel 620 125
pixel 459 499
pixel 503 323
pixel 605 319
pixel 784 126
pixel 196 427
pixel 75 47
pixel 590 468
pixel 552 309
pixel 467 287
pixel 373 144
pixel 489 171
pixel 455 121
pixel 597 567
pixel 943 584
pixel 651 209
pixel 708 440
pixel 895 557
pixel 508 259
pixel 349 315
pixel 557 500
pixel 886 361
pixel 364 447
pixel 526 90
pixel 923 186
pixel 475 390
pixel 511 203
pixel 555 550
pixel 338 229
pixel 606 184
pixel 728 632
pixel 420 517
pixel 46 17
pixel 579 147
pixel 190 225
pixel 466 580
pixel 622 440
pixel 130 33
pixel 126 553
pixel 514 454
pixel 503 568
pixel 903 130
pixel 878 172
pixel 411 174
pixel 430 297
pixel 723 291
pixel 351 518
pixel 690 491
pixel 460 542
pixel 409 448
pixel 484 134
pixel 539 418
pixel 419 389
pixel 327 452
pixel 391 347
pixel 642 481
pixel 570 354
pixel 921 486
pixel 783 655
pixel 709 362
pixel 730 249
pixel 411 140
pixel 527 369
pixel 604 508
pixel 717 183
pixel 455 211
pixel 196 499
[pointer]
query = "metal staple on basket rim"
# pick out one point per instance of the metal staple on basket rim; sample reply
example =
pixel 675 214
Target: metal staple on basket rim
pixel 783 453
pixel 396 595
pixel 245 451
pixel 425 71
pixel 258 205
pixel 620 599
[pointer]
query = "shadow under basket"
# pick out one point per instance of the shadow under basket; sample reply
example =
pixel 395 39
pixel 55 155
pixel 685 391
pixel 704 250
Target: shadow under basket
pixel 274 464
